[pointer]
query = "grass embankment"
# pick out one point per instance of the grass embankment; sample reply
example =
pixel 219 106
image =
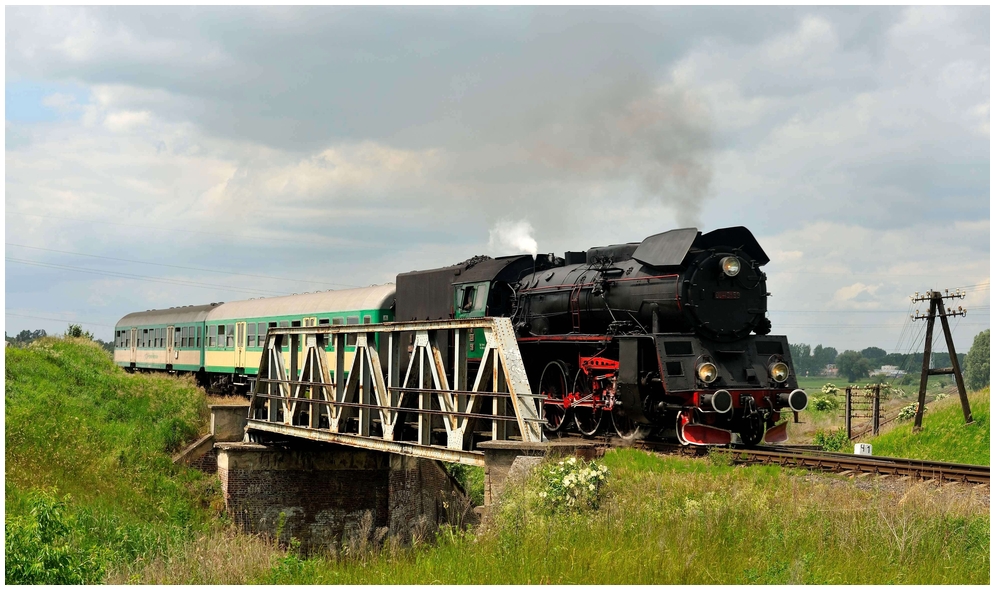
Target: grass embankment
pixel 89 484
pixel 944 436
pixel 92 495
pixel 680 521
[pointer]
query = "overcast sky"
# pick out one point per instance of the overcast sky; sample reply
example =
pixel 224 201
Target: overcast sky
pixel 171 156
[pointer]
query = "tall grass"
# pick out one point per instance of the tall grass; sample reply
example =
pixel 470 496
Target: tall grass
pixel 679 521
pixel 944 436
pixel 88 470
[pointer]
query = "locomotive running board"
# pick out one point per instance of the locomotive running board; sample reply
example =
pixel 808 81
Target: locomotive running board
pixel 701 434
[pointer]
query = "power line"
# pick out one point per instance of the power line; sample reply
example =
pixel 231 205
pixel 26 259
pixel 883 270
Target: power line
pixel 178 266
pixel 36 317
pixel 201 233
pixel 141 277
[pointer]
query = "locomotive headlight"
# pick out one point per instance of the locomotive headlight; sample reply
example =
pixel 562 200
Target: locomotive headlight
pixel 779 372
pixel 730 265
pixel 708 372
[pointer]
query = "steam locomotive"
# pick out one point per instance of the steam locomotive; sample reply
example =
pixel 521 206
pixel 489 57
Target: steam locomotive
pixel 667 336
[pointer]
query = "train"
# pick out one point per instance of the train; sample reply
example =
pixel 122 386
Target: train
pixel 667 337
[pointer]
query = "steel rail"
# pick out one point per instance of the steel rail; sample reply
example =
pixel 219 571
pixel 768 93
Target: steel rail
pixel 863 464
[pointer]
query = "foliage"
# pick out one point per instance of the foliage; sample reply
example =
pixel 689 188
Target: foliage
pixel 572 484
pixel 809 362
pixel 77 331
pixel 830 389
pixel 825 403
pixel 874 355
pixel 909 412
pixel 42 547
pixel 471 478
pixel 852 366
pixel 77 423
pixel 25 337
pixel 977 364
pixel 832 440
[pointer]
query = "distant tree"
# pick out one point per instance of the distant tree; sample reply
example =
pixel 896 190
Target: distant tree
pixel 852 366
pixel 873 352
pixel 822 357
pixel 801 356
pixel 77 331
pixel 874 355
pixel 26 337
pixel 977 364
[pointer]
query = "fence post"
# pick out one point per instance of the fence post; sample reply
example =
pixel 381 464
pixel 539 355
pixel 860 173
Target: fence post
pixel 849 410
pixel 877 409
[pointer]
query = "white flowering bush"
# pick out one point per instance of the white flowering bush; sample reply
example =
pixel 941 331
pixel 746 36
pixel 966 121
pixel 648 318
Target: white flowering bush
pixel 909 411
pixel 573 483
pixel 830 389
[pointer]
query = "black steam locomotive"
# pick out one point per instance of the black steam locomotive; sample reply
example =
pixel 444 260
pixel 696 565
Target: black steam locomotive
pixel 666 336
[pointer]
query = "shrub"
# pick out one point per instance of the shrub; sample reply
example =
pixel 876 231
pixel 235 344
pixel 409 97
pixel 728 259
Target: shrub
pixel 825 403
pixel 832 440
pixel 909 411
pixel 46 547
pixel 571 484
pixel 830 389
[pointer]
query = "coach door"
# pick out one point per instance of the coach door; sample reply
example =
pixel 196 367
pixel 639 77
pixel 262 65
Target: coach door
pixel 240 345
pixel 169 346
pixel 134 345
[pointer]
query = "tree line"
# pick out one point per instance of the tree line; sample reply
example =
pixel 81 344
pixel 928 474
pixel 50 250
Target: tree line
pixel 26 337
pixel 854 365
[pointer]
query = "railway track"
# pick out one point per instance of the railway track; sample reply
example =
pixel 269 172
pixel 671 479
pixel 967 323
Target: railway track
pixel 855 465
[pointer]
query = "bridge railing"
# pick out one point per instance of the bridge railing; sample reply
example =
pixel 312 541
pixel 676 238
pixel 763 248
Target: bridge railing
pixel 399 392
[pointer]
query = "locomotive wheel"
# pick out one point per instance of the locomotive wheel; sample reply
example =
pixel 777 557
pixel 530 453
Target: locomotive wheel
pixel 587 419
pixel 553 385
pixel 627 429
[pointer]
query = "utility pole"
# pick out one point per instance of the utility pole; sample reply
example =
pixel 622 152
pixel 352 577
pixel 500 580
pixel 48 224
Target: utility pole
pixel 936 309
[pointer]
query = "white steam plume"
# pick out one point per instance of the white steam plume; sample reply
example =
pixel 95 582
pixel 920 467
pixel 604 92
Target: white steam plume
pixel 508 237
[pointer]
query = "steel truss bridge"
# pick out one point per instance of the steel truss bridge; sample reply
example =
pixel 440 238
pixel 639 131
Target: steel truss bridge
pixel 402 394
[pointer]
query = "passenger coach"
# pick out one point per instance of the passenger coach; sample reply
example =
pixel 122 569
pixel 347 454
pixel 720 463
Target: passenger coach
pixel 223 343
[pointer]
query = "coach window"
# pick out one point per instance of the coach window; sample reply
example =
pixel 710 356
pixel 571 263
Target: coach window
pixel 332 339
pixel 261 332
pixel 177 338
pixel 295 324
pixel 198 336
pixel 250 330
pixel 350 339
pixel 286 344
pixel 211 333
pixel 231 335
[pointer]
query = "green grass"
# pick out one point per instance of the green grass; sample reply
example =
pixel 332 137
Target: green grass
pixel 944 436
pixel 89 481
pixel 681 521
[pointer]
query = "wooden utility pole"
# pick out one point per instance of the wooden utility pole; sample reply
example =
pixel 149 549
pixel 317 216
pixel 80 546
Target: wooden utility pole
pixel 936 309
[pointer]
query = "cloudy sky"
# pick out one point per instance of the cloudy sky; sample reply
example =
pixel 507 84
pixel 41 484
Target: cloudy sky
pixel 171 156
